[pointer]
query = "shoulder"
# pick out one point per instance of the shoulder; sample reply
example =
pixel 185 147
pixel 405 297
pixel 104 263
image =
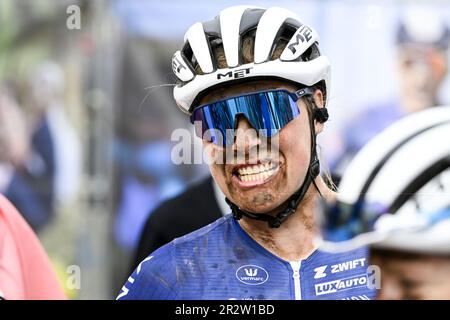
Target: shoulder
pixel 156 277
pixel 216 228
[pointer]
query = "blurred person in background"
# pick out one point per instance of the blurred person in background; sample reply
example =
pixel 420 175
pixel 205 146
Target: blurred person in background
pixel 395 196
pixel 41 160
pixel 148 176
pixel 48 117
pixel 25 270
pixel 422 42
pixel 27 164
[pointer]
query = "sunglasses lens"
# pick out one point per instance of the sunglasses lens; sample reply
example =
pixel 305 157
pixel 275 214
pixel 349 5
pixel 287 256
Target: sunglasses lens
pixel 268 112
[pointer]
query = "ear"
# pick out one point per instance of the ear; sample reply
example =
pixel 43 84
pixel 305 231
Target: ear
pixel 319 101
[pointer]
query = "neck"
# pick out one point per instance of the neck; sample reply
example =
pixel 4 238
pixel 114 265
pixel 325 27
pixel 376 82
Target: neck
pixel 295 239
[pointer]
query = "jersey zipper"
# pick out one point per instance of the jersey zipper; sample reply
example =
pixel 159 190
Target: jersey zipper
pixel 295 265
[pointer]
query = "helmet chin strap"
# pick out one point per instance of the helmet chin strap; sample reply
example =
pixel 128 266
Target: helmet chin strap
pixel 296 198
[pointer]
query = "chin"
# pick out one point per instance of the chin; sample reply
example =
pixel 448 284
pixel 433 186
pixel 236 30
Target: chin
pixel 262 208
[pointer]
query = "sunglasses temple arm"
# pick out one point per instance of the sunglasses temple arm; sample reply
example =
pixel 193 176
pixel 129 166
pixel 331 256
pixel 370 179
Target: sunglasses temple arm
pixel 302 92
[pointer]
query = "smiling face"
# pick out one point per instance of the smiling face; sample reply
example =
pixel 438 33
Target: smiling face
pixel 259 181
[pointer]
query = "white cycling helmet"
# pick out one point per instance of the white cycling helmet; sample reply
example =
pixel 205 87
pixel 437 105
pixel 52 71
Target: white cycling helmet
pixel 196 67
pixel 396 192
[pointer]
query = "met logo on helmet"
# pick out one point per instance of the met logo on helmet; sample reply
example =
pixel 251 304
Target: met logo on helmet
pixel 239 73
pixel 177 66
pixel 304 33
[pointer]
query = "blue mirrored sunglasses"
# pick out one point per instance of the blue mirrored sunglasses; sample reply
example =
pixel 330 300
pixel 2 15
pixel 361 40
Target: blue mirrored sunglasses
pixel 267 111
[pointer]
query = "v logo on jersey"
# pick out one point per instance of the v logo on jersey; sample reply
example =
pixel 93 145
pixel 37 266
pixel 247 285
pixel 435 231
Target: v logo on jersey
pixel 320 272
pixel 251 272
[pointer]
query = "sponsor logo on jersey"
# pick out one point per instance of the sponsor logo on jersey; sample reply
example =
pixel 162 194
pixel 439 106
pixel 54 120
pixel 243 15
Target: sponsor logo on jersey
pixel 348 265
pixel 320 272
pixel 252 275
pixel 341 284
pixel 339 267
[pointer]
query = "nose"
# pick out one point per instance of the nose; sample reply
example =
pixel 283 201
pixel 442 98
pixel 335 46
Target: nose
pixel 246 137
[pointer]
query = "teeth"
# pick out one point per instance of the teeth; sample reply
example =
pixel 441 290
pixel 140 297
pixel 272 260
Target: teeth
pixel 256 172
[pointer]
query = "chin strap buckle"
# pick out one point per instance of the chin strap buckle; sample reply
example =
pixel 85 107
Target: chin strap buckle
pixel 275 223
pixel 321 114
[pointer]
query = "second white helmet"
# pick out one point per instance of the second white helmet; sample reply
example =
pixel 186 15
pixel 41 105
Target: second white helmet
pixel 395 193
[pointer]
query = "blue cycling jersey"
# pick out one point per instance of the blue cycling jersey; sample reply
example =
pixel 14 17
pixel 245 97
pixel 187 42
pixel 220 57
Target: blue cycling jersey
pixel 221 261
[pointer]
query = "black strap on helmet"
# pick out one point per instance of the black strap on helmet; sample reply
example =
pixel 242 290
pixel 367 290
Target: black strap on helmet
pixel 297 197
